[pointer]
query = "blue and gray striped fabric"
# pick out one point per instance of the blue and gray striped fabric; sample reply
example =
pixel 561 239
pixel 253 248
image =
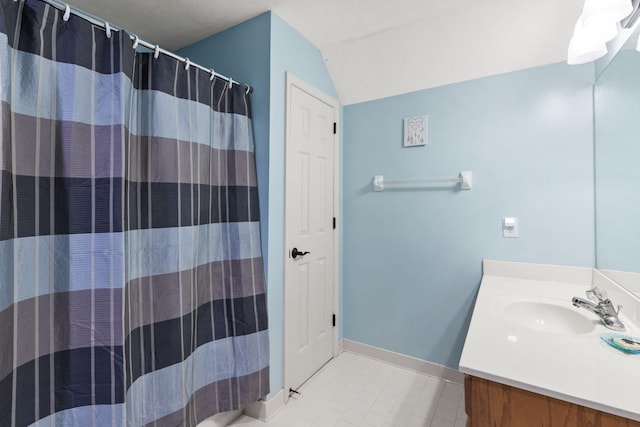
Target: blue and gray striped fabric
pixel 131 280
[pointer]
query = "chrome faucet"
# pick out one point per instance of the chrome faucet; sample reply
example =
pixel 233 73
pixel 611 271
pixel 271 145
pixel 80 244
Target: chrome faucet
pixel 604 308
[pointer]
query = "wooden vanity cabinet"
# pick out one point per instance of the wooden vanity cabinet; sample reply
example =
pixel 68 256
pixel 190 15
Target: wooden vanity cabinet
pixel 491 404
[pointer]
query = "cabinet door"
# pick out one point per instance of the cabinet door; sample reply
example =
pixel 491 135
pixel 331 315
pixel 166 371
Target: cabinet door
pixel 491 404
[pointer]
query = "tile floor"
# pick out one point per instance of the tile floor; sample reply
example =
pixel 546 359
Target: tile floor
pixel 353 390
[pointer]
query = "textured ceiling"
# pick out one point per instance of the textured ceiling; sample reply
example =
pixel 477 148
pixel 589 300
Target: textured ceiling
pixel 375 48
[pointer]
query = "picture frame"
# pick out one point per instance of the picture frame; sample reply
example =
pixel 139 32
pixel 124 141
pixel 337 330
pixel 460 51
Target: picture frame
pixel 415 131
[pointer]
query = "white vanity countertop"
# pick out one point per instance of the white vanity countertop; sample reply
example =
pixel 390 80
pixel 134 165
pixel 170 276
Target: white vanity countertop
pixel 576 368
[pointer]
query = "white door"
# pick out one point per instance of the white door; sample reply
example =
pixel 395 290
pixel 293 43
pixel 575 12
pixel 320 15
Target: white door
pixel 311 147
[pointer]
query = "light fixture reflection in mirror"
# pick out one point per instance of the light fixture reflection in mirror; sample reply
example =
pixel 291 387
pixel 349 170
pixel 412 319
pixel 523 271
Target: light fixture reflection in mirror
pixel 597 25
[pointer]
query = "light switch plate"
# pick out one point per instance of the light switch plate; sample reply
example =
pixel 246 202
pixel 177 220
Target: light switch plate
pixel 509 227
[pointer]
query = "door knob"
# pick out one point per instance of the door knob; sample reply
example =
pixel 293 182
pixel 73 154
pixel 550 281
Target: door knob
pixel 296 253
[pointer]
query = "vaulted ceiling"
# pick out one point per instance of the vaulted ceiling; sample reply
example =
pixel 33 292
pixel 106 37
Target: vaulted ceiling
pixel 376 48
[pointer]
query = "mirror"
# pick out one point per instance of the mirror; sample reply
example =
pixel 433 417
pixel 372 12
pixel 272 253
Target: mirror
pixel 617 167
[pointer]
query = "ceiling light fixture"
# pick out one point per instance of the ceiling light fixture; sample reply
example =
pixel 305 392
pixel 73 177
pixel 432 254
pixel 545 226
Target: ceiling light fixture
pixel 598 12
pixel 597 25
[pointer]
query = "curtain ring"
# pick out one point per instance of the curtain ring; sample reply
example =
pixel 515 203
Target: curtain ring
pixel 156 52
pixel 107 29
pixel 67 13
pixel 248 89
pixel 213 75
pixel 136 41
pixel 230 82
pixel 187 64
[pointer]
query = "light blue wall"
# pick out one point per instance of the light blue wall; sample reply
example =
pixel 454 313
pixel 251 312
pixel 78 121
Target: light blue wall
pixel 412 259
pixel 617 110
pixel 259 52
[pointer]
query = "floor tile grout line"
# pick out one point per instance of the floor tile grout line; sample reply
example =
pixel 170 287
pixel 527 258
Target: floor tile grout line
pixel 340 370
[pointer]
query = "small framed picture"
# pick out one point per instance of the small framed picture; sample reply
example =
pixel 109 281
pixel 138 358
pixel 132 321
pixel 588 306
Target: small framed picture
pixel 415 131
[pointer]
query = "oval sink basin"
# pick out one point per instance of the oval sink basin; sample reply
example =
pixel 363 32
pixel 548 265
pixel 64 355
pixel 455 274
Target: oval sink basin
pixel 547 317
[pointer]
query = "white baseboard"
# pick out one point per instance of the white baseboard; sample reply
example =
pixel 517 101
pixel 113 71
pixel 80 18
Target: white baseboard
pixel 222 419
pixel 404 361
pixel 264 410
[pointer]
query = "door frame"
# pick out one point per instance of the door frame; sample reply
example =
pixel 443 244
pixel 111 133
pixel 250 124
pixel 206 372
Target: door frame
pixel 293 81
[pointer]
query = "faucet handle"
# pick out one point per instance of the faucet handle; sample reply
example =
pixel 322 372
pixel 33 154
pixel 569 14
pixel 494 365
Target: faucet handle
pixel 596 294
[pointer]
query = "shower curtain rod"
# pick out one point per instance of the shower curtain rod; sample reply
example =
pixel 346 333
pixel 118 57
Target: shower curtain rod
pixel 137 41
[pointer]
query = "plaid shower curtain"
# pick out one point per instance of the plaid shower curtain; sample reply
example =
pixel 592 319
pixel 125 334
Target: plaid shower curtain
pixel 131 280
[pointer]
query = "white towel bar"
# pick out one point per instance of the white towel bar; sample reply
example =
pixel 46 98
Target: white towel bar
pixel 464 179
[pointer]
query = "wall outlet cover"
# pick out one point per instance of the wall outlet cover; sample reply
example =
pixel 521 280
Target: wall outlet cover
pixel 510 227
